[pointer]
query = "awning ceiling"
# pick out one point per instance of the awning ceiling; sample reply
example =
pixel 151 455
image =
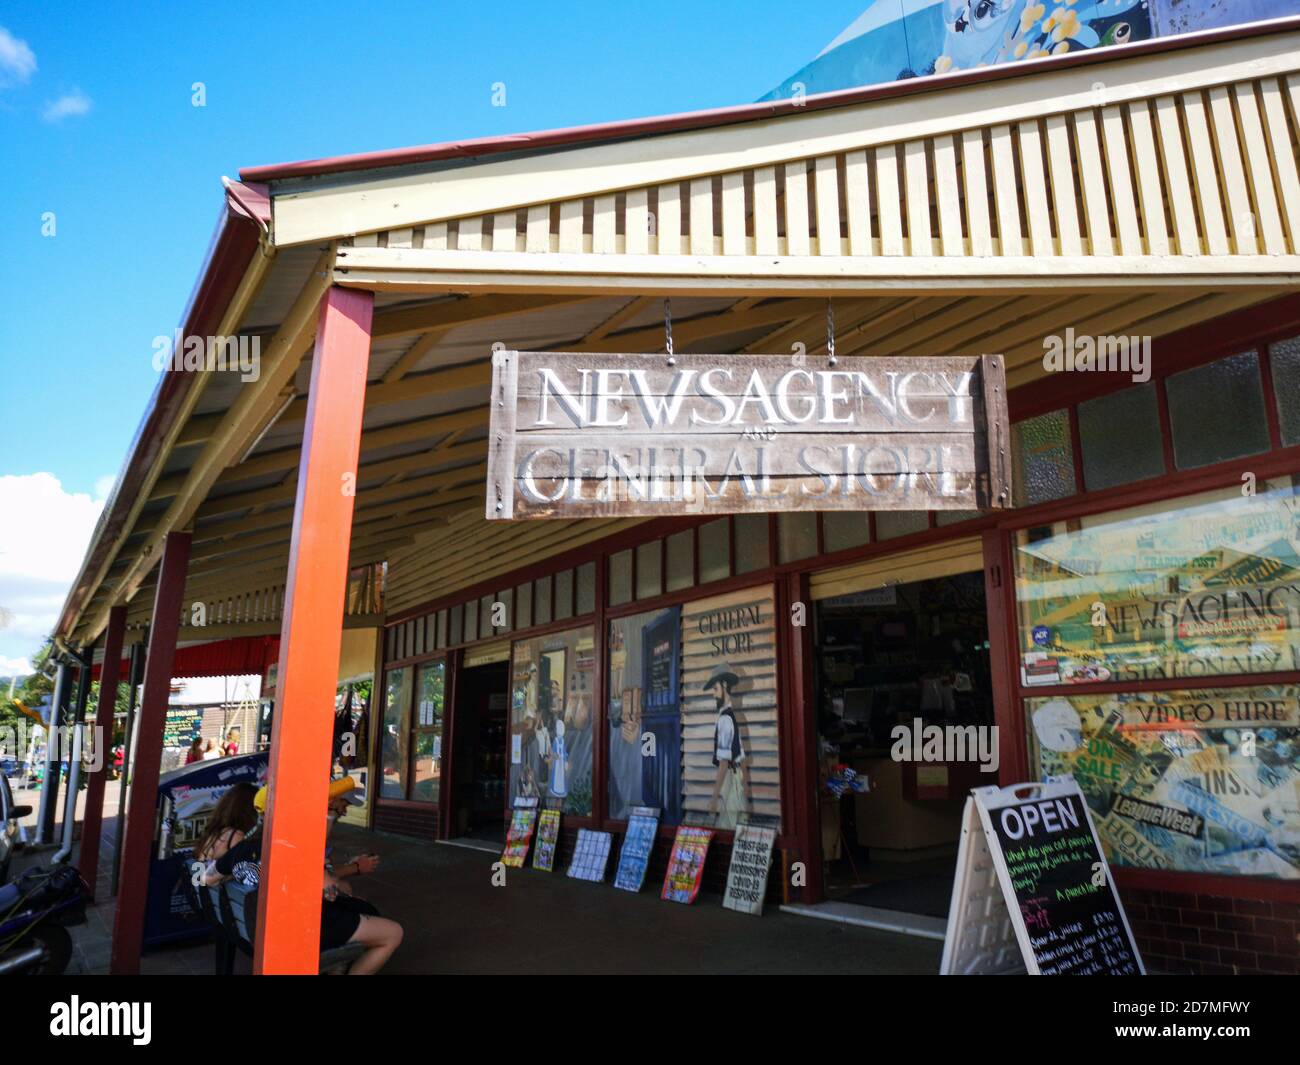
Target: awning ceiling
pixel 931 241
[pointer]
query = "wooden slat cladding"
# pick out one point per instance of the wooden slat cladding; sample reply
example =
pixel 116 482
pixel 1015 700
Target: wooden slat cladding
pixel 1208 171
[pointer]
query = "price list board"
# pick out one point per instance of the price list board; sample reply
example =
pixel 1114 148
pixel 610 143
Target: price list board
pixel 1057 899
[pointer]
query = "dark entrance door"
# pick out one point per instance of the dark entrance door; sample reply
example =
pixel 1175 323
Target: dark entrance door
pixel 482 752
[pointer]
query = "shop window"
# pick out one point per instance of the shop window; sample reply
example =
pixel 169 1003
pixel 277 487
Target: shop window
pixel 620 578
pixel 715 551
pixel 393 750
pixel 455 615
pixel 542 598
pixel 954 517
pixel 563 595
pixel 695 686
pixel 1120 438
pixel 1200 780
pixel 1043 469
pixel 486 607
pixel 894 523
pixel 523 606
pixel 752 550
pixel 796 535
pixel 586 598
pixel 681 560
pixel 649 569
pixel 426 732
pixel 441 640
pixel 552 680
pixel 1284 360
pixel 1216 411
pixel 843 529
pixel 1199 587
pixel 471 621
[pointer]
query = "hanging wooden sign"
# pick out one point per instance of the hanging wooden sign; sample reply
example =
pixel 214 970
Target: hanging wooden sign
pixel 576 435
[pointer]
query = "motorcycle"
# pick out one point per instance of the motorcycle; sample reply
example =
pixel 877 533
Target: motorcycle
pixel 35 912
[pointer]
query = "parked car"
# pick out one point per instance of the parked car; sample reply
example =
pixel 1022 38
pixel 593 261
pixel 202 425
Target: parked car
pixel 12 836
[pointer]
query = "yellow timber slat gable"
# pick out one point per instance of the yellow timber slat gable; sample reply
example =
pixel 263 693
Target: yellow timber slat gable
pixel 1180 160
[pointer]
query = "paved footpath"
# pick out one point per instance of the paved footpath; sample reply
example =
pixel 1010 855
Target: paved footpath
pixel 457 922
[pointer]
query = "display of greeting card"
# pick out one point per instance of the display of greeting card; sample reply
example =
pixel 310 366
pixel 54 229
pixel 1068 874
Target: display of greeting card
pixel 634 857
pixel 520 833
pixel 590 855
pixel 548 832
pixel 686 864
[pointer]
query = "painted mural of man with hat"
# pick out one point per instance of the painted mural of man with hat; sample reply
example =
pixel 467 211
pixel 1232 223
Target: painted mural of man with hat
pixel 730 799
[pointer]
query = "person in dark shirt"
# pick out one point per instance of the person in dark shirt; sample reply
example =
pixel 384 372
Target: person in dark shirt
pixel 340 922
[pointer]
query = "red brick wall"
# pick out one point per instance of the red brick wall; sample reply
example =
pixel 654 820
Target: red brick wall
pixel 1212 935
pixel 418 821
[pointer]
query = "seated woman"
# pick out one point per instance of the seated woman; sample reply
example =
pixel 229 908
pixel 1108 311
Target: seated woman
pixel 231 821
pixel 340 923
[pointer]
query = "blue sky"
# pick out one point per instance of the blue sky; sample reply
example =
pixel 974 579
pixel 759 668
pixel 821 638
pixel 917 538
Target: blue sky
pixel 97 126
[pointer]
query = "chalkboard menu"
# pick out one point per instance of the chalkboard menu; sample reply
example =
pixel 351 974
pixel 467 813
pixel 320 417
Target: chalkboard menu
pixel 182 725
pixel 1035 846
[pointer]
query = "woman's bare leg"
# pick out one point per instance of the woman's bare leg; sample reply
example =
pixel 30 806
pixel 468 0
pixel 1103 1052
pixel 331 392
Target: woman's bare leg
pixel 380 937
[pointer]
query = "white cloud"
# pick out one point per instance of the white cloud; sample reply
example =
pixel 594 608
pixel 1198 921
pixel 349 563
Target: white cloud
pixel 14 667
pixel 70 104
pixel 104 485
pixel 43 537
pixel 17 60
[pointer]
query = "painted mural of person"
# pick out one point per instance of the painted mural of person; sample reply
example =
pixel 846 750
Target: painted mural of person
pixel 559 760
pixel 730 800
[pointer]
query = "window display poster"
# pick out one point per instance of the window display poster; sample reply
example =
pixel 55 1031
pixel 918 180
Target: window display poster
pixel 552 680
pixel 520 833
pixel 645 736
pixel 1200 780
pixel 634 857
pixel 548 832
pixel 1192 588
pixel 686 864
pixel 751 857
pixel 730 752
pixel 590 855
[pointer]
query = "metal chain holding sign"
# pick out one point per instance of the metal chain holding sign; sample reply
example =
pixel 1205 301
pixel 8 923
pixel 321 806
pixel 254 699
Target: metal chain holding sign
pixel 668 331
pixel 830 332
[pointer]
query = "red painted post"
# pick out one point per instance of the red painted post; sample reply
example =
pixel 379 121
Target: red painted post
pixel 137 834
pixel 88 859
pixel 311 634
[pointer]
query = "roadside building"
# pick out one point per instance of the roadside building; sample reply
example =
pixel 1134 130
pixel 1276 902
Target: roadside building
pixel 1133 617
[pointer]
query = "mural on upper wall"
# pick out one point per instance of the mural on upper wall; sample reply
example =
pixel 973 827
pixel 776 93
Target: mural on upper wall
pixel 896 39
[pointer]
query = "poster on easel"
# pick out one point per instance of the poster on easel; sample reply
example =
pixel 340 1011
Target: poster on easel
pixel 634 856
pixel 590 855
pixel 548 832
pixel 1033 892
pixel 520 833
pixel 686 864
pixel 751 858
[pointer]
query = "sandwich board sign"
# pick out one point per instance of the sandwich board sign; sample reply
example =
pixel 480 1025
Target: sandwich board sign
pixel 1033 892
pixel 588 435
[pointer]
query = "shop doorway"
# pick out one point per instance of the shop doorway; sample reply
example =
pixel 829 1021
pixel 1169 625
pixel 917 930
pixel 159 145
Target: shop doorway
pixel 481 756
pixel 904 697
